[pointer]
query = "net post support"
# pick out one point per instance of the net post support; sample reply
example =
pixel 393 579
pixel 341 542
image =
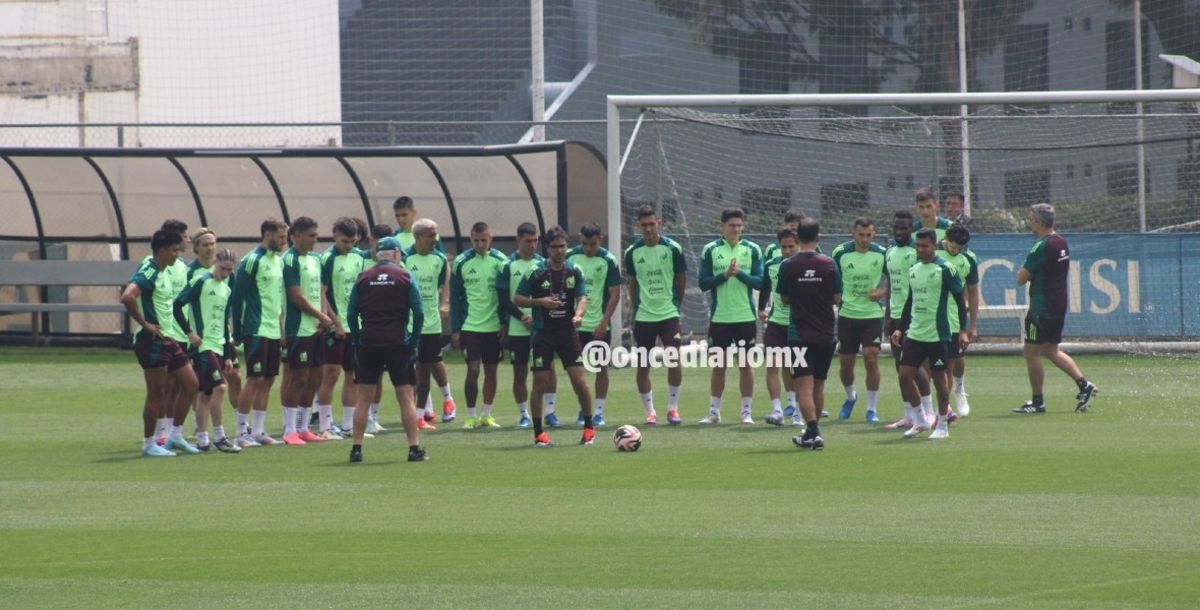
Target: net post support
pixel 613 159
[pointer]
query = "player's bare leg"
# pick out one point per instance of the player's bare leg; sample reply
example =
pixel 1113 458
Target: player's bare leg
pixel 871 363
pixel 805 389
pixel 846 374
pixel 579 384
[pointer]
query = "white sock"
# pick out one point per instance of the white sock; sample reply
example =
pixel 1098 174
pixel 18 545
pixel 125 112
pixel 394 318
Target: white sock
pixel 164 424
pixel 523 408
pixel 776 407
pixel 791 396
pixel 960 386
pixel 487 409
pixel 647 402
pixel 148 442
pixel 908 412
pixel 550 402
pixel 429 402
pixel 673 397
pixel 289 420
pixel 348 417
pixel 176 431
pixel 374 407
pixel 714 405
pixel 325 416
pixel 305 422
pixel 927 408
pixel 470 411
pixel 202 438
pixel 872 399
pixel 746 400
pixel 258 424
pixel 941 421
pixel 445 393
pixel 598 406
pixel 851 393
pixel 218 432
pixel 243 423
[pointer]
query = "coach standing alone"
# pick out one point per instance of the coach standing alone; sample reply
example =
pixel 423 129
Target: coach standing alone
pixel 1045 270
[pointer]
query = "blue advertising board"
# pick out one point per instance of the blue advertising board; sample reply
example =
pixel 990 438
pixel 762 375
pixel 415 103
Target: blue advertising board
pixel 1121 285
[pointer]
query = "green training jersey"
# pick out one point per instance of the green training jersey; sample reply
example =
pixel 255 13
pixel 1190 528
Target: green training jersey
pixel 303 271
pixel 474 300
pixel 932 287
pixel 967 268
pixel 654 269
pixel 176 280
pixel 257 298
pixel 861 273
pixel 515 270
pixel 899 258
pixel 207 299
pixel 154 304
pixel 338 273
pixel 600 273
pixel 428 272
pixel 780 313
pixel 731 300
pixel 940 227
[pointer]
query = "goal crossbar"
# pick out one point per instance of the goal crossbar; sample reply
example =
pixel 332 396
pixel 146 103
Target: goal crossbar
pixel 616 102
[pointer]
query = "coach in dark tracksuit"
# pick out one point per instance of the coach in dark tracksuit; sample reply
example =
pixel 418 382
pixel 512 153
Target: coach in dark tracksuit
pixel 381 302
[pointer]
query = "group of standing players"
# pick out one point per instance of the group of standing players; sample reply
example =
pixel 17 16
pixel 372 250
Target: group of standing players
pixel 380 300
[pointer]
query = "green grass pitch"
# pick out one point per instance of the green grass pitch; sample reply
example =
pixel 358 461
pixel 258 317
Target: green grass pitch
pixel 1063 510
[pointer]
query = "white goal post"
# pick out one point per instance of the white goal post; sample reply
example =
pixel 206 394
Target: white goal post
pixel 616 154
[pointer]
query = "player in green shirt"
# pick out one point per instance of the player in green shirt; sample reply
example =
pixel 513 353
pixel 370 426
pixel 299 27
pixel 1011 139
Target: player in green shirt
pixel 340 266
pixel 791 220
pixel 519 265
pixel 602 275
pixel 860 316
pixel 406 214
pixel 305 321
pixel 656 271
pixel 776 316
pixel 928 333
pixel 159 357
pixel 257 303
pixel 927 214
pixel 731 269
pixel 478 323
pixel 204 245
pixel 174 279
pixel 430 271
pixel 206 301
pixel 956 254
pixel 899 258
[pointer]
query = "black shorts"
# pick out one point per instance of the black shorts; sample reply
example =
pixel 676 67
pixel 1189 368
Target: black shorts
pixel 669 331
pixel 938 353
pixel 370 362
pixel 429 350
pixel 210 371
pixel 816 361
pixel 775 335
pixel 481 346
pixel 519 348
pixel 153 352
pixel 854 333
pixel 338 352
pixel 262 357
pixel 303 352
pixel 722 334
pixel 1043 330
pixel 545 344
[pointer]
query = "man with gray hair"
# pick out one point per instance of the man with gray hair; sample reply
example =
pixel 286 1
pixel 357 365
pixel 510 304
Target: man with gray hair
pixel 1045 270
pixel 431 272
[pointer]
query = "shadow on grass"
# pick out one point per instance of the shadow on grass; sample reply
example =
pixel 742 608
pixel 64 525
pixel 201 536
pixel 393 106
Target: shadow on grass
pixel 366 463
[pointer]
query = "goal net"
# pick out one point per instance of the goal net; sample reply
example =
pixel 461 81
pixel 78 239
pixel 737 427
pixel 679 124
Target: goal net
pixel 1125 185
